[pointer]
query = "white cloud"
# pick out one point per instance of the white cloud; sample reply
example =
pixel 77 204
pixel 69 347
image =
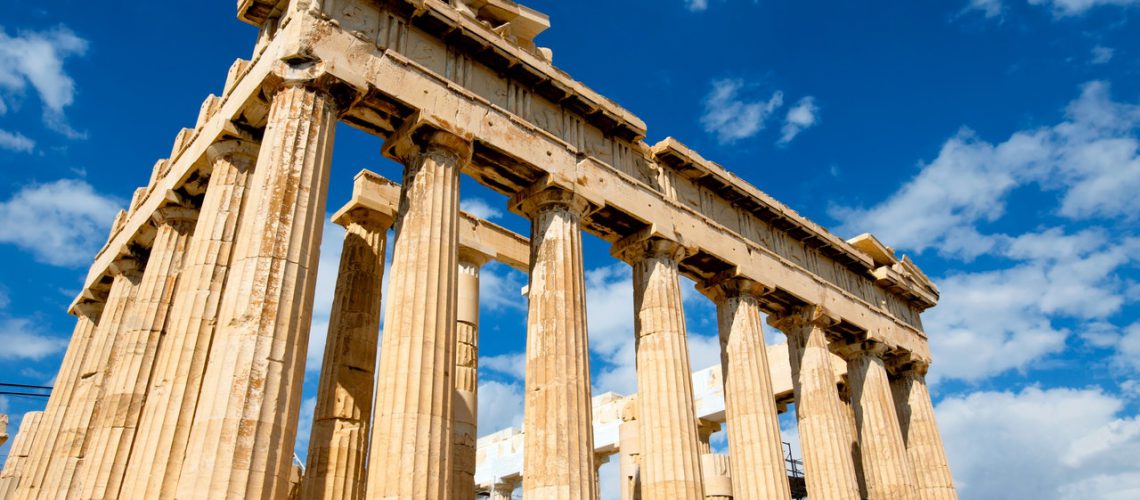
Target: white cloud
pixel 480 208
pixel 697 5
pixel 1067 8
pixel 62 223
pixel 23 339
pixel 513 365
pixel 1101 55
pixel 732 115
pixel 37 58
pixel 305 427
pixel 1047 444
pixel 15 141
pixel 1128 352
pixel 1091 156
pixel 990 8
pixel 500 288
pixel 500 406
pixel 804 115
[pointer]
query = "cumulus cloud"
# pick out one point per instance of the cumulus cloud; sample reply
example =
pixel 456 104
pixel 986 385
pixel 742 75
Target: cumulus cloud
pixel 15 141
pixel 24 339
pixel 1101 55
pixel 802 116
pixel 480 208
pixel 1091 158
pixel 1058 443
pixel 62 223
pixel 732 113
pixel 36 59
pixel 500 406
pixel 512 365
pixel 1068 8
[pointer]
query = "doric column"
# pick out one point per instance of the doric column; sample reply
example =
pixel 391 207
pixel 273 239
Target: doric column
pixel 754 442
pixel 164 428
pixel 42 451
pixel 243 434
pixel 132 359
pixel 600 459
pixel 338 444
pixel 465 412
pixel 558 455
pixel 72 444
pixel 629 453
pixel 828 469
pixel 411 437
pixel 920 432
pixel 718 476
pixel 853 434
pixel 886 466
pixel 503 489
pixel 705 430
pixel 16 466
pixel 671 462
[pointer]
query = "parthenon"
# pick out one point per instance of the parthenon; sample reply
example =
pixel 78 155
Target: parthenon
pixel 184 373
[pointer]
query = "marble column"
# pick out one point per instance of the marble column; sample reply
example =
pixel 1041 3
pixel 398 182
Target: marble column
pixel 600 459
pixel 629 454
pixel 59 403
pixel 164 428
pixel 670 458
pixel 558 455
pixel 828 468
pixel 751 415
pixel 132 359
pixel 886 466
pixel 338 443
pixel 16 466
pixel 243 435
pixel 920 432
pixel 60 480
pixel 411 437
pixel 466 410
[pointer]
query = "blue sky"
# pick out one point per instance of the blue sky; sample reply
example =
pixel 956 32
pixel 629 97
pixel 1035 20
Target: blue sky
pixel 995 141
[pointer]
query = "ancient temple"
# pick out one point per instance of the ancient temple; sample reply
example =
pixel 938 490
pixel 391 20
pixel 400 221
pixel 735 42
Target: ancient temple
pixel 184 372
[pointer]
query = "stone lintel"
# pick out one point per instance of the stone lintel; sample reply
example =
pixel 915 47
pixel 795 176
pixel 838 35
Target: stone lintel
pixel 422 131
pixel 381 197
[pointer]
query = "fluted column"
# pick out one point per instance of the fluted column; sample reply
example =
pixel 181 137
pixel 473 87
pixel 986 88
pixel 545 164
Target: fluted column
pixel 751 416
pixel 59 403
pixel 466 410
pixel 132 359
pixel 629 449
pixel 828 469
pixel 164 428
pixel 411 438
pixel 245 424
pixel 886 465
pixel 16 466
pixel 705 430
pixel 558 455
pixel 920 432
pixel 671 460
pixel 72 444
pixel 338 443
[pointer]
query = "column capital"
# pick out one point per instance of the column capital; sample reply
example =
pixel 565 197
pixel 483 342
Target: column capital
pixel 645 244
pixel 706 428
pixel 369 219
pixel 90 309
pixel 424 135
pixel 242 153
pixel 730 284
pixel 908 366
pixel 542 197
pixel 303 70
pixel 853 351
pixel 181 217
pixel 127 266
pixel 473 257
pixel 801 316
